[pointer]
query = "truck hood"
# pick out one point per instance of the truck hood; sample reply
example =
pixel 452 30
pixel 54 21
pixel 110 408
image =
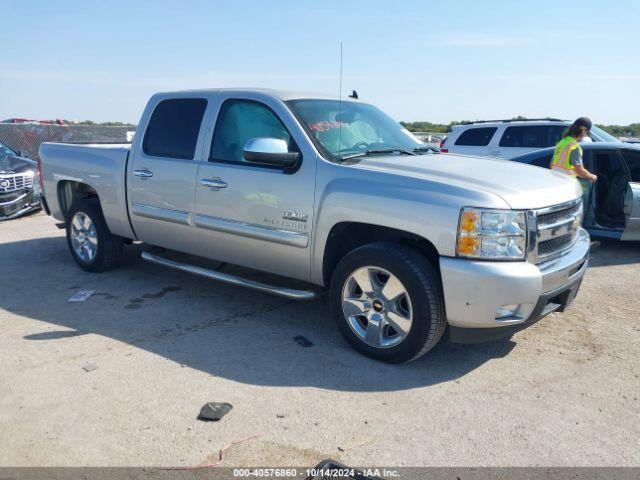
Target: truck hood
pixel 521 186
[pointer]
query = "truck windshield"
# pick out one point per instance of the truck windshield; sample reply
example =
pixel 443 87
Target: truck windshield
pixel 345 129
pixel 6 151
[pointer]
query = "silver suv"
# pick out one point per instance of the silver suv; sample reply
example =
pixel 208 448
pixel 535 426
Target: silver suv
pixel 510 138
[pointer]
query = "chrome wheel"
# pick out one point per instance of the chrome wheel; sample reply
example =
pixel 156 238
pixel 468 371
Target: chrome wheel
pixel 377 307
pixel 83 237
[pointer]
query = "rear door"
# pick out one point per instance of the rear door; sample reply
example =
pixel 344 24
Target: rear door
pixel 632 195
pixel 252 215
pixel 162 173
pixel 520 139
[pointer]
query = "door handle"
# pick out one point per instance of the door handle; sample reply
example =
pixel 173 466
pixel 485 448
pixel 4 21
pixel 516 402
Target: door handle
pixel 213 183
pixel 144 173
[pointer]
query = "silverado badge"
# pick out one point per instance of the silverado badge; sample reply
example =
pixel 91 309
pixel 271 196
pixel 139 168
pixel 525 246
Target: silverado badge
pixel 295 216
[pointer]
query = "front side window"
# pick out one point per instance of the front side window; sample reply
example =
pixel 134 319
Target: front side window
pixel 543 161
pixel 173 128
pixel 532 136
pixel 476 137
pixel 601 135
pixel 339 129
pixel 240 121
pixel 632 159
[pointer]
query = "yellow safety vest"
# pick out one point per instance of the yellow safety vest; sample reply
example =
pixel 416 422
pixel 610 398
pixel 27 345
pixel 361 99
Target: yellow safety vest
pixel 561 161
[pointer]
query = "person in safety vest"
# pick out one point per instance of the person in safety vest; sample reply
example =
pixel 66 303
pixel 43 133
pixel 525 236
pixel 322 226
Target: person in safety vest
pixel 567 157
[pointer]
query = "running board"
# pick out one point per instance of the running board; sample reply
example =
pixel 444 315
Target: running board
pixel 231 279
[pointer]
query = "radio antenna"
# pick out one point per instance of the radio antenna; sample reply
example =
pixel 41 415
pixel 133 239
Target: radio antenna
pixel 340 104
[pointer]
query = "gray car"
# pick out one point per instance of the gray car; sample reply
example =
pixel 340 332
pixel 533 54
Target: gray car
pixel 19 184
pixel 613 205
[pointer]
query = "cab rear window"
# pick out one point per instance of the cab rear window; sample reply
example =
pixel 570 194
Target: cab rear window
pixel 476 137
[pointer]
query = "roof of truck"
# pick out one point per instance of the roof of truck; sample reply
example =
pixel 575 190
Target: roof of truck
pixel 280 94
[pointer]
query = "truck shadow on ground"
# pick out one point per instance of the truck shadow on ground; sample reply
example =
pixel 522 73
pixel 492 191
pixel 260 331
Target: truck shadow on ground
pixel 605 253
pixel 228 332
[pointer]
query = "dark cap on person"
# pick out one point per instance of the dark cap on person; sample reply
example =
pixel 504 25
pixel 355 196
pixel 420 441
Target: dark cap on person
pixel 583 122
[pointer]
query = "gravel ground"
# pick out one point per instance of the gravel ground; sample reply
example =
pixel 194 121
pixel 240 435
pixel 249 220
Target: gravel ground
pixel 158 344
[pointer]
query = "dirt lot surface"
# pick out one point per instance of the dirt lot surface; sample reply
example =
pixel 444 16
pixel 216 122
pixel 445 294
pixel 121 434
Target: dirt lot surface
pixel 119 379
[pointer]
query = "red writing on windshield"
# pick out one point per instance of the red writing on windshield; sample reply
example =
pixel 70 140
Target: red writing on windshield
pixel 324 126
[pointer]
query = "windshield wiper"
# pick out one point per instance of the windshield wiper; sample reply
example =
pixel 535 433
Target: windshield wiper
pixel 374 151
pixel 427 148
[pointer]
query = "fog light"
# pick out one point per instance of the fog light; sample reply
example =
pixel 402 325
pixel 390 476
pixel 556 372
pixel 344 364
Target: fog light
pixel 507 311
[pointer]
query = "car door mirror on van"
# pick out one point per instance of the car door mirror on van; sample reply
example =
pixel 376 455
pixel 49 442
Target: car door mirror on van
pixel 272 152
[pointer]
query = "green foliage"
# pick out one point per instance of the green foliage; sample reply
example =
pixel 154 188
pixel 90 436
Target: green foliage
pixel 428 127
pixel 632 130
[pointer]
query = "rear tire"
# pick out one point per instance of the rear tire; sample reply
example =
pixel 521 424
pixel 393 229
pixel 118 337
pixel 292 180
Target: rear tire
pixel 397 314
pixel 90 242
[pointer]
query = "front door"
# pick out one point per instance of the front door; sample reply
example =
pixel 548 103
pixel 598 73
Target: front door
pixel 162 174
pixel 609 192
pixel 632 196
pixel 251 215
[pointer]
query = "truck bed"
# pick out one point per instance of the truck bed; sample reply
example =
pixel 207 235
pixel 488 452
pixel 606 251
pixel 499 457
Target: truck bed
pixel 100 166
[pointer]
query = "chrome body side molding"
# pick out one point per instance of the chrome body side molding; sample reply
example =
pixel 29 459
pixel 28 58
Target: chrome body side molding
pixel 173 216
pixel 259 232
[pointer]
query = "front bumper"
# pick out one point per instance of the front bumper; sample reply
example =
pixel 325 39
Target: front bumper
pixel 475 290
pixel 18 204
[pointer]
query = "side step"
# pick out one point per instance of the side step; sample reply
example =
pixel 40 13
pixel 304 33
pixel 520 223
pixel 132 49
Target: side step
pixel 231 279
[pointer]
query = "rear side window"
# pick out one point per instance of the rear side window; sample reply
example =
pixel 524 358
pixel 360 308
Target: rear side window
pixel 173 128
pixel 532 136
pixel 476 137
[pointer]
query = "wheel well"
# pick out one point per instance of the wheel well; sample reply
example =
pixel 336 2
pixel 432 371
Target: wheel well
pixel 347 236
pixel 69 191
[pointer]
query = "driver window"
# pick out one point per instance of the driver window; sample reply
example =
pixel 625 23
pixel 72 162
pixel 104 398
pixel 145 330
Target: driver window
pixel 239 121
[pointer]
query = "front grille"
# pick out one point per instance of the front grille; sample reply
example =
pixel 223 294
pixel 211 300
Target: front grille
pixel 557 216
pixel 15 182
pixel 555 244
pixel 557 230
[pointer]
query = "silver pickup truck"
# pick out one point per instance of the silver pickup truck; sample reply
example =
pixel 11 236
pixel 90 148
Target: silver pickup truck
pixel 336 195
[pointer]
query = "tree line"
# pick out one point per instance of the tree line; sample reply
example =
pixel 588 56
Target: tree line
pixel 632 130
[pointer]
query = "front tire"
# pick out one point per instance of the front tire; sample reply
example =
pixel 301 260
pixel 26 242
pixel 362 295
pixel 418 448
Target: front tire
pixel 387 302
pixel 90 242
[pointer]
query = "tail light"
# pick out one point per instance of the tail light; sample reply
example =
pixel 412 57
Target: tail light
pixel 444 150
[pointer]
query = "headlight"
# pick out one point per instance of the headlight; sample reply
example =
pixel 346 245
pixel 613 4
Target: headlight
pixel 492 234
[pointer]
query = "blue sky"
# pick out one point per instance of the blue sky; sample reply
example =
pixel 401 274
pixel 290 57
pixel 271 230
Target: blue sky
pixel 418 60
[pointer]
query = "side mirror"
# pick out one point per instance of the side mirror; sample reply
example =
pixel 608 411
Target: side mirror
pixel 270 151
pixel 23 154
